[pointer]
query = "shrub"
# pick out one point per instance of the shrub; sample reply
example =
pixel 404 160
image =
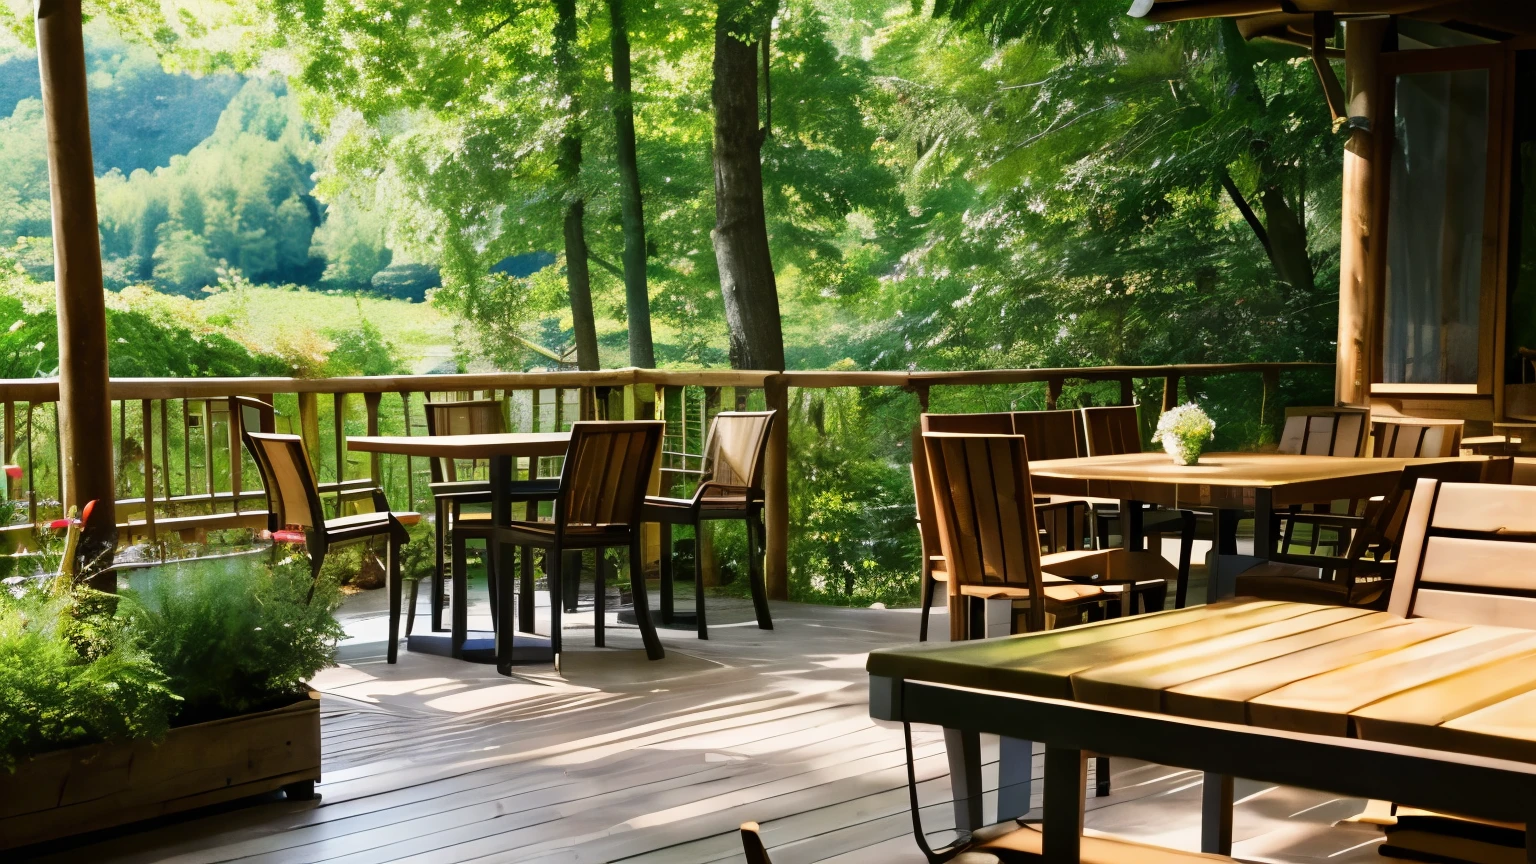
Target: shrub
pixel 235 635
pixel 72 673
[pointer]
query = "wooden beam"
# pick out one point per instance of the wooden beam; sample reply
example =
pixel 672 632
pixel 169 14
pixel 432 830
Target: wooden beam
pixel 1322 31
pixel 86 414
pixel 1352 375
pixel 776 491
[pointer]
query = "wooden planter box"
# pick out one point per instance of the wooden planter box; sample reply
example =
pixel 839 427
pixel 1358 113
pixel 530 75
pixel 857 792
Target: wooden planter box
pixel 103 785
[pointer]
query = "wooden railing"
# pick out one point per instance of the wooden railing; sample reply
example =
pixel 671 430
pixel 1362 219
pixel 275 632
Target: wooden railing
pixel 181 471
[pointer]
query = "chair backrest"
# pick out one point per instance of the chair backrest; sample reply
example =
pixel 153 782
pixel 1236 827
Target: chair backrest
pixel 752 844
pixel 464 417
pixel 293 496
pixel 985 514
pixel 257 416
pixel 1324 432
pixel 607 469
pixel 1382 533
pixel 995 423
pixel 1056 434
pixel 922 495
pixel 1112 430
pixel 1409 438
pixel 1466 554
pixel 737 445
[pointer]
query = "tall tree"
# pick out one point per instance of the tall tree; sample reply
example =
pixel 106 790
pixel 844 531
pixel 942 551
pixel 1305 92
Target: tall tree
pixel 568 161
pixel 637 298
pixel 740 237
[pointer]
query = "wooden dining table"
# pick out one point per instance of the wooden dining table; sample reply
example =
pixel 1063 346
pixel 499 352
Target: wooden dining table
pixel 1227 483
pixel 1180 687
pixel 501 451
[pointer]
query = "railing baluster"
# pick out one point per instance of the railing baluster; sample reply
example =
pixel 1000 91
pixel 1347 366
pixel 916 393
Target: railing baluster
pixel 236 467
pixel 371 410
pixel 10 447
pixel 338 415
pixel 1171 392
pixel 58 457
pixel 165 450
pixel 149 469
pixel 309 427
pixel 31 472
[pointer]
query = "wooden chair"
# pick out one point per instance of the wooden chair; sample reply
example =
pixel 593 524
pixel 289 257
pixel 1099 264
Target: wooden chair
pixel 1363 575
pixel 598 505
pixel 451 492
pixel 1466 555
pixel 1115 430
pixel 1410 438
pixel 988 535
pixel 1061 519
pixel 293 499
pixel 1324 431
pixel 730 488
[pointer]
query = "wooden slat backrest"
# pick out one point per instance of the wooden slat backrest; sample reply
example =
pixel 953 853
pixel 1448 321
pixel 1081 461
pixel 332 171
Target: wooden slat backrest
pixel 1467 554
pixel 607 469
pixel 1324 432
pixel 984 508
pixel 1406 438
pixel 738 442
pixel 258 416
pixel 997 423
pixel 292 493
pixel 462 417
pixel 1383 529
pixel 1051 434
pixel 1112 430
pixel 927 523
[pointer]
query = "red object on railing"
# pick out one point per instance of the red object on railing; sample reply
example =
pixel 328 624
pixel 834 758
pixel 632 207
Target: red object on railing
pixel 60 523
pixel 85 514
pixel 13 472
pixel 291 534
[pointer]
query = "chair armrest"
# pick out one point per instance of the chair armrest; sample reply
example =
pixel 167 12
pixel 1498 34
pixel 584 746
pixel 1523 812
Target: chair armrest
pixel 1327 520
pixel 711 486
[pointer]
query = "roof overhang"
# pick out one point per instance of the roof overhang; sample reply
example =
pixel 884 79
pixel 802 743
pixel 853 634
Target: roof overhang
pixel 1292 21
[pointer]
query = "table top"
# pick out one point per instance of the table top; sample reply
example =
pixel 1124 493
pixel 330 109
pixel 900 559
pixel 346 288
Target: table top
pixel 1220 477
pixel 465 446
pixel 1291 666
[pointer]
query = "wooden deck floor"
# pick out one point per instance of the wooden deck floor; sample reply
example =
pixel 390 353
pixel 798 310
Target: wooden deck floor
pixel 619 759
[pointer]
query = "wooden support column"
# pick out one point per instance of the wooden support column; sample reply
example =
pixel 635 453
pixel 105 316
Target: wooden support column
pixel 12 484
pixel 371 408
pixel 1362 51
pixel 1127 391
pixel 86 413
pixel 1170 392
pixel 776 490
pixel 1053 393
pixel 146 410
pixel 236 464
pixel 309 428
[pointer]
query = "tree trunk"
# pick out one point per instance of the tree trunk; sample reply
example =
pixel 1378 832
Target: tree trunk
pixel 637 299
pixel 1287 240
pixel 741 230
pixel 578 280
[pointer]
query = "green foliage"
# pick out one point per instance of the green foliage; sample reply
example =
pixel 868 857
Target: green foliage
pixel 70 678
pixel 233 635
pixel 362 350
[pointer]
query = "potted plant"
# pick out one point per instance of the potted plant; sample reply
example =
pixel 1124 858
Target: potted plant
pixel 1184 432
pixel 186 690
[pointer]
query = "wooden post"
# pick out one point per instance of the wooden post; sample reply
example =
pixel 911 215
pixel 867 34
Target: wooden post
pixel 309 428
pixel 86 415
pixel 236 465
pixel 1171 392
pixel 339 437
pixel 12 485
pixel 1052 393
pixel 148 414
pixel 1127 391
pixel 371 408
pixel 1362 50
pixel 776 491
pixel 1269 408
pixel 165 449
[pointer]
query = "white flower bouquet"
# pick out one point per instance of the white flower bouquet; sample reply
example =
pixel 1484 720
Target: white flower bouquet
pixel 1184 432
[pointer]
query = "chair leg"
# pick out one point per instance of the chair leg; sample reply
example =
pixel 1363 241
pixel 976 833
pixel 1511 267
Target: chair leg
pixel 410 617
pixel 642 605
pixel 1100 776
pixel 552 575
pixel 491 585
pixel 756 552
pixel 392 576
pixel 666 572
pixel 1186 552
pixel 928 583
pixel 600 586
pixel 525 601
pixel 440 535
pixel 698 585
pixel 571 590
pixel 459 600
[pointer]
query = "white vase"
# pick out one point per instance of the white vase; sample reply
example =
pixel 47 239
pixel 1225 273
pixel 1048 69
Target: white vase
pixel 1184 452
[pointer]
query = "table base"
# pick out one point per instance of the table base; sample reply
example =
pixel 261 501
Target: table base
pixel 679 620
pixel 528 649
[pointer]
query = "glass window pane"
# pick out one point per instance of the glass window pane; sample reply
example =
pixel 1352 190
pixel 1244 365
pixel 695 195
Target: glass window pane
pixel 1521 333
pixel 1435 228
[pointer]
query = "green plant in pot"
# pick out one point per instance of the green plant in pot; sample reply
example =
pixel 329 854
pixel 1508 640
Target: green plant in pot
pixel 1184 433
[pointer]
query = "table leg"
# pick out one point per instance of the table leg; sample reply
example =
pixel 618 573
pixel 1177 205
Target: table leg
pixel 526 607
pixel 1066 785
pixel 1131 535
pixel 1263 524
pixel 1216 814
pixel 964 751
pixel 1226 544
pixel 501 514
pixel 1015 763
